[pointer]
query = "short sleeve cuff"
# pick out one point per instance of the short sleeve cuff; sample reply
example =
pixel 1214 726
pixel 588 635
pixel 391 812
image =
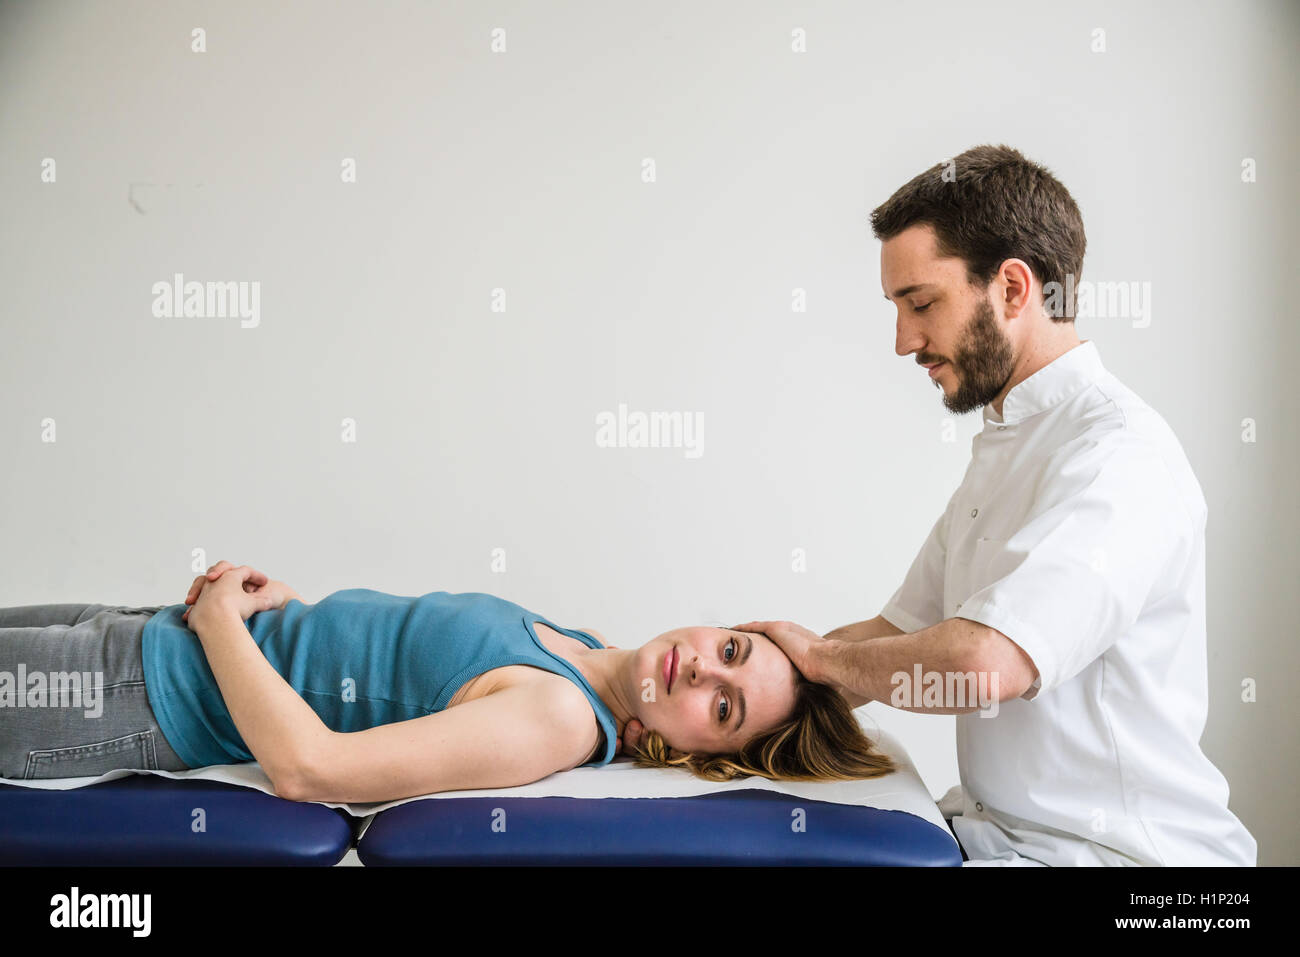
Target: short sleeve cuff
pixel 1026 636
pixel 899 618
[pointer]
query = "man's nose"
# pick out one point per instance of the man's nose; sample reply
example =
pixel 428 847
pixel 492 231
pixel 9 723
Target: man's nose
pixel 906 338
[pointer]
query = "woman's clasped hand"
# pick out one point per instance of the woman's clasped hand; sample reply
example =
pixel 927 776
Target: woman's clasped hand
pixel 240 587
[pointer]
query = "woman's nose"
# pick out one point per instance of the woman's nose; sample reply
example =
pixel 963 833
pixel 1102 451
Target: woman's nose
pixel 697 667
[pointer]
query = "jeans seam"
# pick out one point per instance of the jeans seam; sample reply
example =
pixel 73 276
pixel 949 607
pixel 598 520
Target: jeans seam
pixel 132 683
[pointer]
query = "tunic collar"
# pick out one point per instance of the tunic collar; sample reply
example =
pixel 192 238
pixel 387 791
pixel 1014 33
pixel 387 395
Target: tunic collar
pixel 1051 385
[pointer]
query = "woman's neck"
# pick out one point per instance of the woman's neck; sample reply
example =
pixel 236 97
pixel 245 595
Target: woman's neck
pixel 607 670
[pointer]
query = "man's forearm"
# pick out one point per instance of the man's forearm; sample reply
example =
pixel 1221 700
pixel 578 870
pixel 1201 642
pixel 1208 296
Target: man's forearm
pixel 867 670
pixel 864 630
pixel 876 627
pixel 277 725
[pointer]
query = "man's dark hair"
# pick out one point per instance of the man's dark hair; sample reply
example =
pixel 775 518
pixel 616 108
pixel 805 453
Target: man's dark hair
pixel 988 205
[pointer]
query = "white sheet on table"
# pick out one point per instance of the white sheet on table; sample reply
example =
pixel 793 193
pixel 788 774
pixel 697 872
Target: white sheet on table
pixel 902 790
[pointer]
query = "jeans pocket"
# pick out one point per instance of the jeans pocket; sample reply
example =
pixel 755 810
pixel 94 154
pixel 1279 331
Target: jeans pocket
pixel 132 751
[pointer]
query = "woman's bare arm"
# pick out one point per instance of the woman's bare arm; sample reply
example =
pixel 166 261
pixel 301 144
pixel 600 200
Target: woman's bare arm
pixel 515 735
pixel 273 719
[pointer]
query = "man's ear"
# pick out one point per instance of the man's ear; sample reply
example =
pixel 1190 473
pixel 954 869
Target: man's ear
pixel 1017 281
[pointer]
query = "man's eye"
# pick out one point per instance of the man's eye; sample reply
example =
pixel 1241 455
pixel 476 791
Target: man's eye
pixel 923 308
pixel 731 646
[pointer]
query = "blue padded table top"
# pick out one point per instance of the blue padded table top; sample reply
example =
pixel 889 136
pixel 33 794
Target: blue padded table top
pixel 151 820
pixel 742 827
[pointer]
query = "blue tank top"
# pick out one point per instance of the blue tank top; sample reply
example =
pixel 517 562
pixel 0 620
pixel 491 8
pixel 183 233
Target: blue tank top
pixel 360 658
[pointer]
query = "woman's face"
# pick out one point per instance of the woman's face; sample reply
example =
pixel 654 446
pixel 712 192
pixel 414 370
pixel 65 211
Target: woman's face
pixel 709 690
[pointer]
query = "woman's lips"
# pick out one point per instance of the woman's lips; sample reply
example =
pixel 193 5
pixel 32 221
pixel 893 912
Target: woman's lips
pixel 670 668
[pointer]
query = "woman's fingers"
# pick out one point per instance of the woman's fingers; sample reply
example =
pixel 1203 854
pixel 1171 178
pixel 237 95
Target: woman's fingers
pixel 212 574
pixel 219 569
pixel 252 578
pixel 192 595
pixel 256 578
pixel 249 573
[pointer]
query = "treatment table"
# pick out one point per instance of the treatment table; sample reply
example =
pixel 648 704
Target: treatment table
pixel 616 815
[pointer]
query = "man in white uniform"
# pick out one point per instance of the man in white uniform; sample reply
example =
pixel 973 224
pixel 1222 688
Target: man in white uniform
pixel 1068 569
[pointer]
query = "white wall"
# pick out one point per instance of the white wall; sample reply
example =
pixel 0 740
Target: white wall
pixel 522 171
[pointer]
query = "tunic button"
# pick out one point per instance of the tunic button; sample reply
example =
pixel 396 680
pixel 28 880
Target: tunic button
pixel 1002 428
pixel 974 512
pixel 959 606
pixel 979 806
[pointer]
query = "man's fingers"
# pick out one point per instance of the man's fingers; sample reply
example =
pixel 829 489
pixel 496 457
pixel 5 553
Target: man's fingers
pixel 632 734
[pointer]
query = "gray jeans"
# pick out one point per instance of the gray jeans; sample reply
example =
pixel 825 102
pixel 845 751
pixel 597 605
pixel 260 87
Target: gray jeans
pixel 72 693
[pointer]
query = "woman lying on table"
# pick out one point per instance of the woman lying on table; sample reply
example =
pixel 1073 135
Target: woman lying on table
pixel 367 697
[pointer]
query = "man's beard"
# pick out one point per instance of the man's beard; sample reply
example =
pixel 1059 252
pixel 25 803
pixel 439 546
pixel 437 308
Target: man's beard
pixel 983 363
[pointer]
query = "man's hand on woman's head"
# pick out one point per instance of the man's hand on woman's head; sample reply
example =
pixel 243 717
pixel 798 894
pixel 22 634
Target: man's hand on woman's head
pixel 795 640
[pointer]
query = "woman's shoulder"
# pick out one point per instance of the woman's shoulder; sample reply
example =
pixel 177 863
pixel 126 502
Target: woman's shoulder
pixel 554 687
pixel 564 703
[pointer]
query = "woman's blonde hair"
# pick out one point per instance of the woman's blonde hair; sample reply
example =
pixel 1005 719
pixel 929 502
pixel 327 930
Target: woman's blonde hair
pixel 820 741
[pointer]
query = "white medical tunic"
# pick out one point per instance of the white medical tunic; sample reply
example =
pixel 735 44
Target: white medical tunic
pixel 1078 532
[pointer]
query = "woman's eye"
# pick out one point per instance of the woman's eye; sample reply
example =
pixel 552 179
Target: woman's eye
pixel 731 646
pixel 724 709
